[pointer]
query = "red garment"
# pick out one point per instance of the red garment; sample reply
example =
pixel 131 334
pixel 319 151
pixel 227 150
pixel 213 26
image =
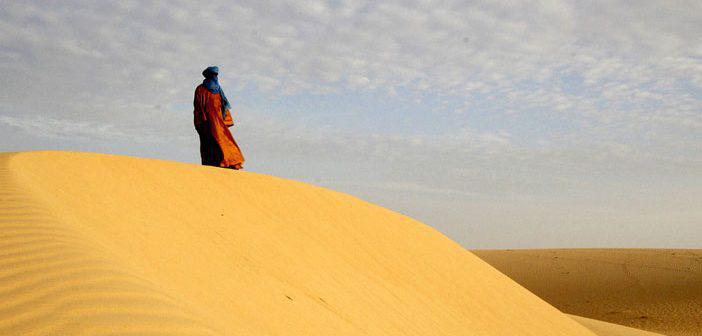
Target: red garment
pixel 217 145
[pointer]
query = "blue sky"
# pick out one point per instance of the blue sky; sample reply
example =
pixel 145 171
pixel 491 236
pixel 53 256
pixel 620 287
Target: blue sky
pixel 502 124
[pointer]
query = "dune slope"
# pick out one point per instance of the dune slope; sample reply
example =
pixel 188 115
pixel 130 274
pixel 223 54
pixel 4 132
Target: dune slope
pixel 602 328
pixel 657 290
pixel 99 244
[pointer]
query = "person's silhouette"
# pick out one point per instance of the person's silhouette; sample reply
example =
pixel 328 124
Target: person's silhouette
pixel 212 119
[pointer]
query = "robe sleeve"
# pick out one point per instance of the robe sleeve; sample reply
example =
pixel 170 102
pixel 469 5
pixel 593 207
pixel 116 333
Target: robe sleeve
pixel 199 112
pixel 228 120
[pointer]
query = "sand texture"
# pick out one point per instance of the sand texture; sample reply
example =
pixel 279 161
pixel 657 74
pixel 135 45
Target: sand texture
pixel 94 244
pixel 602 328
pixel 651 289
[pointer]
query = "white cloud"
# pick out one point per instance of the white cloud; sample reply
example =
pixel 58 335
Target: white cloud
pixel 63 129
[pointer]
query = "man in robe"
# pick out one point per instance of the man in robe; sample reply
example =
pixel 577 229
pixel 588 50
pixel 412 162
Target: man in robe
pixel 212 119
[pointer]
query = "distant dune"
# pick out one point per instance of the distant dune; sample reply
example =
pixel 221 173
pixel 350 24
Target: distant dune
pixel 95 244
pixel 651 289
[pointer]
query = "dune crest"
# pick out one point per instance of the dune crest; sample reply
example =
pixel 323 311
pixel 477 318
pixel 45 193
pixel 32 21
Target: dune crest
pixel 101 244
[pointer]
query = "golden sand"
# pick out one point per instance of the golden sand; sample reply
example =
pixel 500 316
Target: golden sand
pixel 602 328
pixel 97 244
pixel 651 289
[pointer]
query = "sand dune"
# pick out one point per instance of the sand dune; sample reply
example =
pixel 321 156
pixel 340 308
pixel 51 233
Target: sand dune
pixel 100 244
pixel 651 289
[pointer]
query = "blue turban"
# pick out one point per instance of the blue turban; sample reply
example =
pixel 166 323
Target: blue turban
pixel 212 85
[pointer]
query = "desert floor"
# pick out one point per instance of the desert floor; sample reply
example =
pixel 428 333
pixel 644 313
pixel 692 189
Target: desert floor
pixel 651 289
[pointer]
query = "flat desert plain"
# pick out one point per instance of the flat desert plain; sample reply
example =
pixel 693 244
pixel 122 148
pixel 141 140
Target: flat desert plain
pixel 95 244
pixel 658 290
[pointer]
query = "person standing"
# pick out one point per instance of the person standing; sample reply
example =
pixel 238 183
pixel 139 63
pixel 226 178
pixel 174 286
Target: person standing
pixel 212 121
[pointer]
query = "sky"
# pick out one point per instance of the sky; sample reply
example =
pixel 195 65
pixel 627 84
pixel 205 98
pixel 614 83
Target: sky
pixel 502 124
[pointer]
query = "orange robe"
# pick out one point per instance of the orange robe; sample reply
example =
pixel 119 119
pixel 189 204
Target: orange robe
pixel 217 145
